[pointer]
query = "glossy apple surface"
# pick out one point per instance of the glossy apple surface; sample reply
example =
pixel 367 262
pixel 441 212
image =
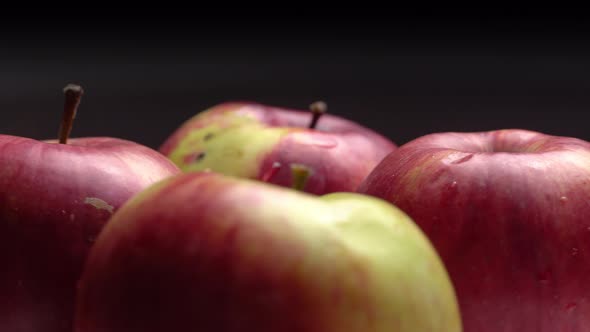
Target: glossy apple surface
pixel 207 252
pixel 54 200
pixel 247 139
pixel 509 213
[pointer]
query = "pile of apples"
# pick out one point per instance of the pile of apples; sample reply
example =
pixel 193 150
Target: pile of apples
pixel 257 218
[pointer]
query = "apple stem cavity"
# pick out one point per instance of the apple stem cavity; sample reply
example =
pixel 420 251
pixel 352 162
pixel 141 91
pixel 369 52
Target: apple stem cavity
pixel 73 94
pixel 317 110
pixel 276 166
pixel 299 176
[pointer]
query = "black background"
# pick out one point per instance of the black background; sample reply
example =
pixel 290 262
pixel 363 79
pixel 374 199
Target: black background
pixel 404 76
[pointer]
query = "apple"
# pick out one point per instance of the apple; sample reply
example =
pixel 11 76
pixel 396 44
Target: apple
pixel 509 213
pixel 207 252
pixel 260 142
pixel 54 200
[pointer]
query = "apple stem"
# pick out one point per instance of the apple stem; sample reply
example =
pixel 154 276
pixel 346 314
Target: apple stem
pixel 317 110
pixel 276 166
pixel 299 175
pixel 73 94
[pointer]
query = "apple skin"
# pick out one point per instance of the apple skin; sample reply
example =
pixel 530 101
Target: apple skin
pixel 208 252
pixel 246 139
pixel 509 213
pixel 54 200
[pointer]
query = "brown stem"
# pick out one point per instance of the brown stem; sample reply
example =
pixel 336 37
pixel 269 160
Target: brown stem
pixel 73 93
pixel 317 110
pixel 299 176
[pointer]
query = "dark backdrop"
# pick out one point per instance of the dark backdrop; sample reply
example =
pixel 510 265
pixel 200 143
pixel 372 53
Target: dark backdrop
pixel 405 77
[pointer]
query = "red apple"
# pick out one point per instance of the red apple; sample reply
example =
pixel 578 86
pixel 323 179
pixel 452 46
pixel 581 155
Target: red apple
pixel 261 142
pixel 509 213
pixel 207 252
pixel 54 200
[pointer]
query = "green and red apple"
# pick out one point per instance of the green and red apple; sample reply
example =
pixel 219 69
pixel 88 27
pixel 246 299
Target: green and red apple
pixel 261 142
pixel 509 213
pixel 54 200
pixel 208 252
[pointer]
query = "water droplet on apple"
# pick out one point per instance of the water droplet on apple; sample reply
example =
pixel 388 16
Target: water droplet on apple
pixel 571 306
pixel 563 199
pixel 453 184
pixel 575 251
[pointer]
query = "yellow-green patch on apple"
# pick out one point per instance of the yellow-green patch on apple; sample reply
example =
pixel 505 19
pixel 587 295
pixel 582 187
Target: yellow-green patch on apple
pixel 228 147
pixel 205 252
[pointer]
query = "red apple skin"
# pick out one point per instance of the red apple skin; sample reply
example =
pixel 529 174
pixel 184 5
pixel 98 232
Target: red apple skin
pixel 509 213
pixel 340 153
pixel 207 252
pixel 340 168
pixel 54 200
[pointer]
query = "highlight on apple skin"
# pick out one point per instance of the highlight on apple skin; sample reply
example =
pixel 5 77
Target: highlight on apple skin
pixel 54 200
pixel 208 252
pixel 509 213
pixel 261 142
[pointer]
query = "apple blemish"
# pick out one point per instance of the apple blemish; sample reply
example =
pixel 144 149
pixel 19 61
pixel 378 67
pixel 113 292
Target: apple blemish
pixel 194 157
pixel 200 157
pixel 99 204
pixel 300 174
pixel 208 137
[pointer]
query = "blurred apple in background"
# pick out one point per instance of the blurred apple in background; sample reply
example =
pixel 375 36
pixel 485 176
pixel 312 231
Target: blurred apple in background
pixel 54 199
pixel 509 212
pixel 208 252
pixel 261 142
